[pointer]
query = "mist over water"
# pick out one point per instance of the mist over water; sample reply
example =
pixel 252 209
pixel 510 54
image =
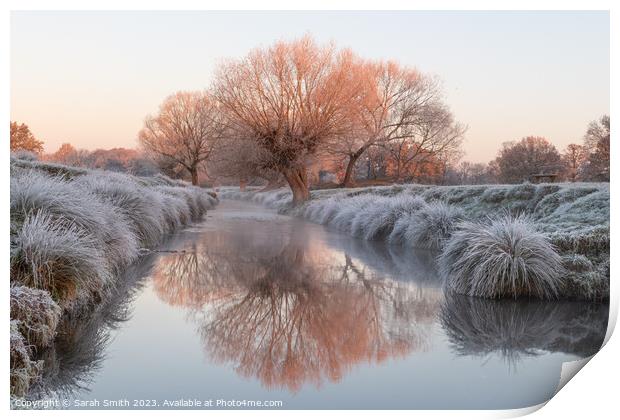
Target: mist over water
pixel 253 305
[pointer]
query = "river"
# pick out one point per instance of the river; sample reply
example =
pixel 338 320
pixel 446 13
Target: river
pixel 252 306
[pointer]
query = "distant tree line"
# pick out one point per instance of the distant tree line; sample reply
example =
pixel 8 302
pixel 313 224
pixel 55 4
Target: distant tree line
pixel 117 159
pixel 515 162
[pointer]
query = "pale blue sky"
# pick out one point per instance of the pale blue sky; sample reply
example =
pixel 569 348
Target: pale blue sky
pixel 90 78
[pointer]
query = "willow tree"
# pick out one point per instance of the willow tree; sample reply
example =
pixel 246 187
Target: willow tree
pixel 185 131
pixel 289 100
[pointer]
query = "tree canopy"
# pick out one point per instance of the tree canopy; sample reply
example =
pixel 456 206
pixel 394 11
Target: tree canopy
pixel 23 139
pixel 518 161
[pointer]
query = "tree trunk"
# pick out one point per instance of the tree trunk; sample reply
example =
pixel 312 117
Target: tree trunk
pixel 194 172
pixel 298 181
pixel 242 184
pixel 398 170
pixel 348 181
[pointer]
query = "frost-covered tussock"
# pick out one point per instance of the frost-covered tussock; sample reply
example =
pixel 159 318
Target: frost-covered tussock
pixel 568 223
pixel 24 371
pixel 432 225
pixel 36 313
pixel 73 231
pixel 505 257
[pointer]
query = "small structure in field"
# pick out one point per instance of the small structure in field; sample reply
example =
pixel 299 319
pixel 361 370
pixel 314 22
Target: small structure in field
pixel 543 177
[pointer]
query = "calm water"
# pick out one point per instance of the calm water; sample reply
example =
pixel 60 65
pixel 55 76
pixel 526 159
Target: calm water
pixel 251 305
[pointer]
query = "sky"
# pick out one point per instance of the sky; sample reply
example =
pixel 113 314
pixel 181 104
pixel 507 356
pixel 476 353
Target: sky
pixel 90 78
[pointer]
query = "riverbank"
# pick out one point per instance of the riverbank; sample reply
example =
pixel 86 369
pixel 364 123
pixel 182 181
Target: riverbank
pixel 73 233
pixel 547 241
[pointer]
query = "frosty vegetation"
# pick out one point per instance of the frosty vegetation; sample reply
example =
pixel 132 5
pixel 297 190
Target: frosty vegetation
pixel 504 257
pixel 73 232
pixel 537 240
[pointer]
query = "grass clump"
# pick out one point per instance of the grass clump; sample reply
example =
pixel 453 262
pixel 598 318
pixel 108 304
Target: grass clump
pixel 177 212
pixel 50 253
pixel 432 225
pixel 379 220
pixel 37 313
pixel 74 206
pixel 505 258
pixel 24 371
pixel 322 211
pixel 25 155
pixel 343 219
pixel 141 206
pixel 50 168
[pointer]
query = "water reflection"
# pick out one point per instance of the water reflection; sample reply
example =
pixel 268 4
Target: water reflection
pixel 396 262
pixel 81 342
pixel 518 329
pixel 290 313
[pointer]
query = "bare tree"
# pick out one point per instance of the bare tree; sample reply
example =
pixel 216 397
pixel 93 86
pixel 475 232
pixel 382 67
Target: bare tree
pixel 289 99
pixel 444 161
pixel 185 131
pixel 574 158
pixel 432 137
pixel 532 155
pixel 23 139
pixel 389 108
pixel 596 142
pixel 468 173
pixel 374 163
pixel 241 160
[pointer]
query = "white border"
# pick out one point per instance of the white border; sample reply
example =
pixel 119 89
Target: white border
pixel 592 395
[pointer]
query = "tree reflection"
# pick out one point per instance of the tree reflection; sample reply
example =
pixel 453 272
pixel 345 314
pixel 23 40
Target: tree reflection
pixel 290 315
